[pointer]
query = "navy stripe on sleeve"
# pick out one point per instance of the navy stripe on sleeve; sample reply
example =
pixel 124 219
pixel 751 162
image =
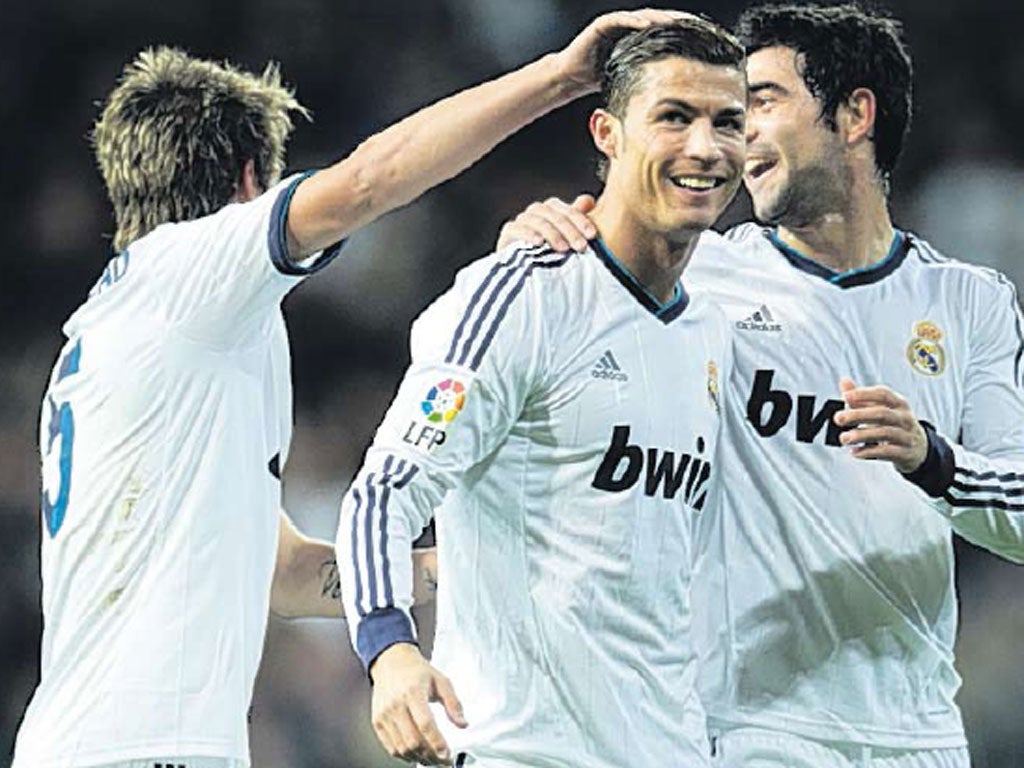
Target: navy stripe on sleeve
pixel 371 570
pixel 986 490
pixel 488 312
pixel 357 497
pixel 484 298
pixel 489 337
pixel 371 520
pixel 277 237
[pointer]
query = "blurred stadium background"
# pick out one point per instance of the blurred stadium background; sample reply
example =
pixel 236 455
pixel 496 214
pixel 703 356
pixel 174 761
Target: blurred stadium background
pixel 360 66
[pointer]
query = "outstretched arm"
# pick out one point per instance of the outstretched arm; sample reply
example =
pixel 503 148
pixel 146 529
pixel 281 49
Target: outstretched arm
pixel 306 582
pixel 394 167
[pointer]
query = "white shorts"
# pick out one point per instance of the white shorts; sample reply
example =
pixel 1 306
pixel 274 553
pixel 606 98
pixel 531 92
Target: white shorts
pixel 759 748
pixel 179 762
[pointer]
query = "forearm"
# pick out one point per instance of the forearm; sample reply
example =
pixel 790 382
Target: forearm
pixel 309 586
pixel 396 166
pixel 983 498
pixel 306 583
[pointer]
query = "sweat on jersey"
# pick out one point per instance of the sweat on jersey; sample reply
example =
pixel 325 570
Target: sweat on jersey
pixel 824 596
pixel 559 423
pixel 167 417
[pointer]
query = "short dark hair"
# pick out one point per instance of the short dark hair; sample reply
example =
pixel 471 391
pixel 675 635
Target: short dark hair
pixel 624 58
pixel 176 132
pixel 690 38
pixel 842 48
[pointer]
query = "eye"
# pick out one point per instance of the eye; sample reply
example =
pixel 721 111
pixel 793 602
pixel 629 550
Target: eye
pixel 761 101
pixel 733 124
pixel 675 116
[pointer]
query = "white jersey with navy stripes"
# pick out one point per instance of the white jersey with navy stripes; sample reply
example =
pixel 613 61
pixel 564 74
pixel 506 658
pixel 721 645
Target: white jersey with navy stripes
pixel 169 400
pixel 560 424
pixel 824 588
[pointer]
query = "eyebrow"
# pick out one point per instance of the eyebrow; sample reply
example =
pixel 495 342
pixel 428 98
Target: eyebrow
pixel 690 109
pixel 766 85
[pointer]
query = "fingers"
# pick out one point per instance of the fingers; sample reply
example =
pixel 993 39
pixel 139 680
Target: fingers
pixel 876 414
pixel 897 454
pixel 410 732
pixel 445 693
pixel 429 733
pixel 639 19
pixel 871 435
pixel 562 226
pixel 877 395
pixel 584 204
pixel 846 385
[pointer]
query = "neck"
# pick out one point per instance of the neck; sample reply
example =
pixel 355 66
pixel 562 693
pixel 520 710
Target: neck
pixel 655 259
pixel 856 235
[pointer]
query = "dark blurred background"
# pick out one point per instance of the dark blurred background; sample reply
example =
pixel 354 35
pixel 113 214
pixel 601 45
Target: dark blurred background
pixel 360 66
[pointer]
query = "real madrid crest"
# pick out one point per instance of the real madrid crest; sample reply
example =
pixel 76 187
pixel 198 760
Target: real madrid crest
pixel 924 352
pixel 713 398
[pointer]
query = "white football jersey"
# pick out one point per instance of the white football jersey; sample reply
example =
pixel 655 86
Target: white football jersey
pixel 824 592
pixel 165 411
pixel 560 423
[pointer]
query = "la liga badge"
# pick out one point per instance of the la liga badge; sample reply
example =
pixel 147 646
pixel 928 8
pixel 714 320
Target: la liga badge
pixel 444 401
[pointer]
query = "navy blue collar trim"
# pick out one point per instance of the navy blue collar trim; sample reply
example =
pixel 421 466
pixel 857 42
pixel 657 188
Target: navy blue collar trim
pixel 664 312
pixel 852 278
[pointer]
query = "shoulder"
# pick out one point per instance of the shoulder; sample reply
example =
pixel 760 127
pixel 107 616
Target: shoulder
pixel 732 248
pixel 517 270
pixel 969 280
pixel 514 287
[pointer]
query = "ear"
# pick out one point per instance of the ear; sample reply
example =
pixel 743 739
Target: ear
pixel 248 185
pixel 605 129
pixel 856 116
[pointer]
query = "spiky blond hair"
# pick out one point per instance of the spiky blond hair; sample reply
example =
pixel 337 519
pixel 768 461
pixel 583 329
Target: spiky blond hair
pixel 176 132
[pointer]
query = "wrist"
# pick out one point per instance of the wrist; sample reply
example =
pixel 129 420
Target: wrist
pixel 935 473
pixel 397 654
pixel 568 81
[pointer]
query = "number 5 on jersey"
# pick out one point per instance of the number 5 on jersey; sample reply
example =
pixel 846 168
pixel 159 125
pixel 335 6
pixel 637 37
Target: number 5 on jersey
pixel 57 443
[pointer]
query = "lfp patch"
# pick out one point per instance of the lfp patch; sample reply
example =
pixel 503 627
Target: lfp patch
pixel 444 401
pixel 924 352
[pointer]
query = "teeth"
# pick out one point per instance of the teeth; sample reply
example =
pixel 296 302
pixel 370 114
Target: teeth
pixel 695 182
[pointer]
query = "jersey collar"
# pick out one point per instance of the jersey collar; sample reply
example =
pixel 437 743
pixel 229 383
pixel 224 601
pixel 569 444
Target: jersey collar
pixel 665 312
pixel 853 277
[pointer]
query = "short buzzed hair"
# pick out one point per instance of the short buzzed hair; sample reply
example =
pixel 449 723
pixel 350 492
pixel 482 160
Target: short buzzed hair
pixel 176 132
pixel 691 37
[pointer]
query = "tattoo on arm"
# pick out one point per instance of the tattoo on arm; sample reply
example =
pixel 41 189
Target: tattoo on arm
pixel 429 580
pixel 330 580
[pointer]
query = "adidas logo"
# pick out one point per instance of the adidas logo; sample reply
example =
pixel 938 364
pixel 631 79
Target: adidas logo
pixel 761 320
pixel 608 368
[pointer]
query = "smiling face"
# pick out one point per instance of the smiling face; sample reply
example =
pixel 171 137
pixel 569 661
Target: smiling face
pixel 676 155
pixel 795 171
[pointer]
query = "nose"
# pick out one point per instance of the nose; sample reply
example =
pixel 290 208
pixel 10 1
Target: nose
pixel 752 127
pixel 702 142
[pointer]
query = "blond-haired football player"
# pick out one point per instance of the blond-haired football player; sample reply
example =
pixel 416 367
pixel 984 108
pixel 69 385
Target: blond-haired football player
pixel 168 414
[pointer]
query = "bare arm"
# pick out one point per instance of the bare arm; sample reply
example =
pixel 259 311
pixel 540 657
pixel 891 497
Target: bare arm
pixel 394 167
pixel 306 581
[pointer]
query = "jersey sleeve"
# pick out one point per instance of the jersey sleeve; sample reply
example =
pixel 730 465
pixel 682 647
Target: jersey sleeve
pixel 476 358
pixel 217 272
pixel 977 481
